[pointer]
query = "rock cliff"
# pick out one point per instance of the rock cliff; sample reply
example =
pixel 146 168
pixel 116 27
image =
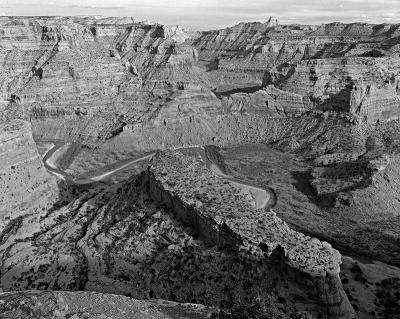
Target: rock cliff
pixel 185 185
pixel 321 92
pixel 26 187
pixel 84 79
pixel 179 237
pixel 365 87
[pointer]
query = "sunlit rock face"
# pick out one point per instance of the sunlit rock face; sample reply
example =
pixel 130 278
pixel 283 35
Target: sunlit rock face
pixel 364 87
pixel 85 78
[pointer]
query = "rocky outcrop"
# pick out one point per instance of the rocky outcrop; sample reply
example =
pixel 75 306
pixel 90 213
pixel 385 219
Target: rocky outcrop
pixel 26 187
pixel 183 184
pixel 364 87
pixel 118 240
pixel 91 305
pixel 84 79
pixel 269 101
pixel 144 237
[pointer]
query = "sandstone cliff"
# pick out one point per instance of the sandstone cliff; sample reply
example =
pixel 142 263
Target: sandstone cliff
pixel 84 79
pixel 185 185
pixel 26 187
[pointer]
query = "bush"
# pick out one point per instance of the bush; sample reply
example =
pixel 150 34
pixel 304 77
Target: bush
pixel 258 308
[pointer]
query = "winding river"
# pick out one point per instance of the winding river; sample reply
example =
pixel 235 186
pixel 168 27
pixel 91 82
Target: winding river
pixel 263 198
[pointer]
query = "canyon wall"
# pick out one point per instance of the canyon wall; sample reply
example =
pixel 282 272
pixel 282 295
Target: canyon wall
pixel 365 87
pixel 86 79
pixel 25 185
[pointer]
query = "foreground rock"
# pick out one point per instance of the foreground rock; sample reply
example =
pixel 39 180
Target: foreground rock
pixel 89 305
pixel 228 220
pixel 192 238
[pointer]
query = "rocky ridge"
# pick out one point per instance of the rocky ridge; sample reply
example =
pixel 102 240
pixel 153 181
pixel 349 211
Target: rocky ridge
pixel 232 213
pixel 140 240
pixel 187 186
pixel 89 305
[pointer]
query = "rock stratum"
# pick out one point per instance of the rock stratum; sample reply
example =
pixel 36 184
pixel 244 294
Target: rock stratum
pixel 325 99
pixel 85 79
pixel 25 185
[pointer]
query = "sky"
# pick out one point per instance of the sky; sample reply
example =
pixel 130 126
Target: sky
pixel 212 14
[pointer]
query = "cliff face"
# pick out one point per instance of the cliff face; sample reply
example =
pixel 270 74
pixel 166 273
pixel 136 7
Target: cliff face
pixel 85 79
pixel 258 46
pixel 183 184
pixel 145 236
pixel 26 187
pixel 364 87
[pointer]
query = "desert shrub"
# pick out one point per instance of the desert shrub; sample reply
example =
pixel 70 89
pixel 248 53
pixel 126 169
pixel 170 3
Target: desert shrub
pixel 264 307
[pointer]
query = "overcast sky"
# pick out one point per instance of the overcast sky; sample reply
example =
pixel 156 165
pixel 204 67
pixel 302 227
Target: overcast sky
pixel 209 14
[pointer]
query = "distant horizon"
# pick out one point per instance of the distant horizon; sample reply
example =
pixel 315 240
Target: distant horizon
pixel 192 27
pixel 214 14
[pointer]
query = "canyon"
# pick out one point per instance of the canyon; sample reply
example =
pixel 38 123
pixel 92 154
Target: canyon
pixel 181 173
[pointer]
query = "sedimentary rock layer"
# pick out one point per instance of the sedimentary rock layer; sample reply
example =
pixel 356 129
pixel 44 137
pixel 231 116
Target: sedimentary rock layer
pixel 25 185
pixel 364 86
pixel 84 79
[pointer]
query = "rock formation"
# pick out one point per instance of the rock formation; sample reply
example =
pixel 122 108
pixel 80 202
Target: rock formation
pixel 227 220
pixel 57 73
pixel 46 305
pixel 132 239
pixel 26 187
pixel 328 95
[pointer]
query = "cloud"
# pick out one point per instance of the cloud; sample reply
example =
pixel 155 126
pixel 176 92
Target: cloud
pixel 98 7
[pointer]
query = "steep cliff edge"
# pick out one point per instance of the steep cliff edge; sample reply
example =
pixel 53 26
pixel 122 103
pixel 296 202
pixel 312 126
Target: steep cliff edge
pixel 365 87
pixel 186 186
pixel 143 237
pixel 26 187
